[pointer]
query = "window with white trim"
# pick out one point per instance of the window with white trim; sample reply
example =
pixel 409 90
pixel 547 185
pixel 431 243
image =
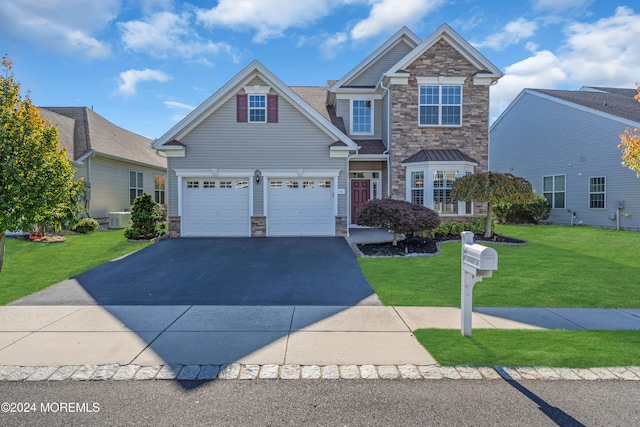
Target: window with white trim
pixel 597 192
pixel 158 186
pixel 554 190
pixel 135 185
pixel 257 108
pixel 417 187
pixel 440 105
pixel 429 184
pixel 362 116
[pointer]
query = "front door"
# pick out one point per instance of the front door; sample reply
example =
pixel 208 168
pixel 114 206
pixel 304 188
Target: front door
pixel 360 194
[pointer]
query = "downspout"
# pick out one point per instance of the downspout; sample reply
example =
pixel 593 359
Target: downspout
pixel 387 151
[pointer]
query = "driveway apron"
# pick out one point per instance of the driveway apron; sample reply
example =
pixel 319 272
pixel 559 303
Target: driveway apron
pixel 221 271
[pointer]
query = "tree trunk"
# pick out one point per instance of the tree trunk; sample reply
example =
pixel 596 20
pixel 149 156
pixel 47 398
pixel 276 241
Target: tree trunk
pixel 2 249
pixel 487 226
pixel 395 239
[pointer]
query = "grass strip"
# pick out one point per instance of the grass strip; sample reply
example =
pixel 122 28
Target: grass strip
pixel 29 266
pixel 556 348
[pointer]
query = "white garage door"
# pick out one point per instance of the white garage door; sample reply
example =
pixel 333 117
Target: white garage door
pixel 300 207
pixel 215 207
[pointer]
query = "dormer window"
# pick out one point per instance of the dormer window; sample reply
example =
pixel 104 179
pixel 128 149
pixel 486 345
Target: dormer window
pixel 361 117
pixel 257 108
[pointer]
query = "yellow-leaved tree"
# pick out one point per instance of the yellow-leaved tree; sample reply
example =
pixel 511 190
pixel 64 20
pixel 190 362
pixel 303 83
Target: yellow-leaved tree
pixel 630 144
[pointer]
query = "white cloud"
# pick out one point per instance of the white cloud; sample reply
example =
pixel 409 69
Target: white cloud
pixel 67 26
pixel 131 78
pixel 512 33
pixel 270 18
pixel 166 34
pixel 605 52
pixel 331 44
pixel 540 71
pixel 388 15
pixel 183 109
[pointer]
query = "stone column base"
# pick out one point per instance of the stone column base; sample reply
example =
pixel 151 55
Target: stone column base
pixel 258 226
pixel 174 226
pixel 342 228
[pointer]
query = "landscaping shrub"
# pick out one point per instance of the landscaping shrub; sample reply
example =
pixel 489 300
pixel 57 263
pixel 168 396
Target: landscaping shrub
pixel 522 213
pixel 85 225
pixel 476 226
pixel 397 215
pixel 145 218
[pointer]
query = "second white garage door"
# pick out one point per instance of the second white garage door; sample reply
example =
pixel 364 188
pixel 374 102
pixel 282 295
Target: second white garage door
pixel 300 207
pixel 215 207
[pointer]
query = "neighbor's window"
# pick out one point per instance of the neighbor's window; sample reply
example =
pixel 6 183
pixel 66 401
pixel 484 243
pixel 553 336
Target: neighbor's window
pixel 553 189
pixel 597 192
pixel 257 108
pixel 361 116
pixel 440 105
pixel 158 184
pixel 135 186
pixel 417 187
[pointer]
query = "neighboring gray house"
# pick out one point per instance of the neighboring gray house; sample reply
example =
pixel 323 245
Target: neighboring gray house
pixel 565 143
pixel 261 158
pixel 117 165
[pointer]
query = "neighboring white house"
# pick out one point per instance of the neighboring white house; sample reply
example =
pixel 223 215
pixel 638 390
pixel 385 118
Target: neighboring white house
pixel 117 165
pixel 565 143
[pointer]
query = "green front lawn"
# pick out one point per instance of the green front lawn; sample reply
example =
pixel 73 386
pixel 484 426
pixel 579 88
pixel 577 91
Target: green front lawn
pixel 29 267
pixel 560 267
pixel 558 348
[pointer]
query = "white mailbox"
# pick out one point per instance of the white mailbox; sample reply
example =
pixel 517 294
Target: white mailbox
pixel 479 257
pixel 478 262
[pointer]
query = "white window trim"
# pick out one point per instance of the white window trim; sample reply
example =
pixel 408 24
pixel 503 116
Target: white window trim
pixel 428 168
pixel 592 192
pixel 249 108
pixel 441 81
pixel 371 122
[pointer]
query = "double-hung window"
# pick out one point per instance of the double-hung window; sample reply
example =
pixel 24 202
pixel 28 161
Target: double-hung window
pixel 257 108
pixel 362 116
pixel 135 185
pixel 440 101
pixel 442 202
pixel 417 187
pixel 554 190
pixel 158 184
pixel 597 192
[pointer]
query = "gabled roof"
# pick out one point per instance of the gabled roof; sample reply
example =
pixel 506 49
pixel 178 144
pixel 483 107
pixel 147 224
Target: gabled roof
pixel 487 69
pixel 229 89
pixel 404 34
pixel 86 132
pixel 439 155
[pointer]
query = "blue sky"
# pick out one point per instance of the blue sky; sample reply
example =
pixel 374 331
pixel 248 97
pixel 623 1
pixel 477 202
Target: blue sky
pixel 143 64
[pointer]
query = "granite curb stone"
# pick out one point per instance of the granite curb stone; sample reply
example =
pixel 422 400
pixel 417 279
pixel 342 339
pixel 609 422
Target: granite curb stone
pixel 233 371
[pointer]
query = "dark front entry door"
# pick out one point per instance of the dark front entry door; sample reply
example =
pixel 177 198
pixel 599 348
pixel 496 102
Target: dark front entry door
pixel 360 194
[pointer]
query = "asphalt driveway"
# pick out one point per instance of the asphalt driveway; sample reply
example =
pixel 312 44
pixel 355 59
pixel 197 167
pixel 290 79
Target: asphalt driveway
pixel 221 271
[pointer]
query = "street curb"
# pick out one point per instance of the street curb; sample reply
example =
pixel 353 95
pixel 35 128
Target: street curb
pixel 237 371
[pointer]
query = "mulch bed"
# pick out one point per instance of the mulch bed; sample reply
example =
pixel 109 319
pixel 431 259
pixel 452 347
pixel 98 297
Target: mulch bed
pixel 421 246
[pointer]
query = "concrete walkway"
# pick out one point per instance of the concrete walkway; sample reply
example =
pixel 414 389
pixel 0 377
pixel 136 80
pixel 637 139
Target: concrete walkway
pixel 260 335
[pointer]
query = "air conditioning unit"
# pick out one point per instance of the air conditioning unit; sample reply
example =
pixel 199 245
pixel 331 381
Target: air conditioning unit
pixel 119 219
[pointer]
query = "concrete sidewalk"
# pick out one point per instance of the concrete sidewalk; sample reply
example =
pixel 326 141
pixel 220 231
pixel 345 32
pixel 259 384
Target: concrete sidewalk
pixel 260 335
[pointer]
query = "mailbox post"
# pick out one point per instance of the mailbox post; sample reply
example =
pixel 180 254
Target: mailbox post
pixel 477 262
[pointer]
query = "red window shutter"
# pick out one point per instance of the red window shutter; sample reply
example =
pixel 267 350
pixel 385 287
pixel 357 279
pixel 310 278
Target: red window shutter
pixel 272 108
pixel 241 108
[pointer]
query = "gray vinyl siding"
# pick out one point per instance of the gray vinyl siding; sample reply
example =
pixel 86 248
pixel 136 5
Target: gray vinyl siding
pixel 538 137
pixel 293 143
pixel 110 184
pixel 371 75
pixel 343 109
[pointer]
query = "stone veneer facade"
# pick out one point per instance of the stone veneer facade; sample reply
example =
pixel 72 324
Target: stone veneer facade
pixel 408 138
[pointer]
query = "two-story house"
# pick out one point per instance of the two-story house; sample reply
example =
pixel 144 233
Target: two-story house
pixel 261 158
